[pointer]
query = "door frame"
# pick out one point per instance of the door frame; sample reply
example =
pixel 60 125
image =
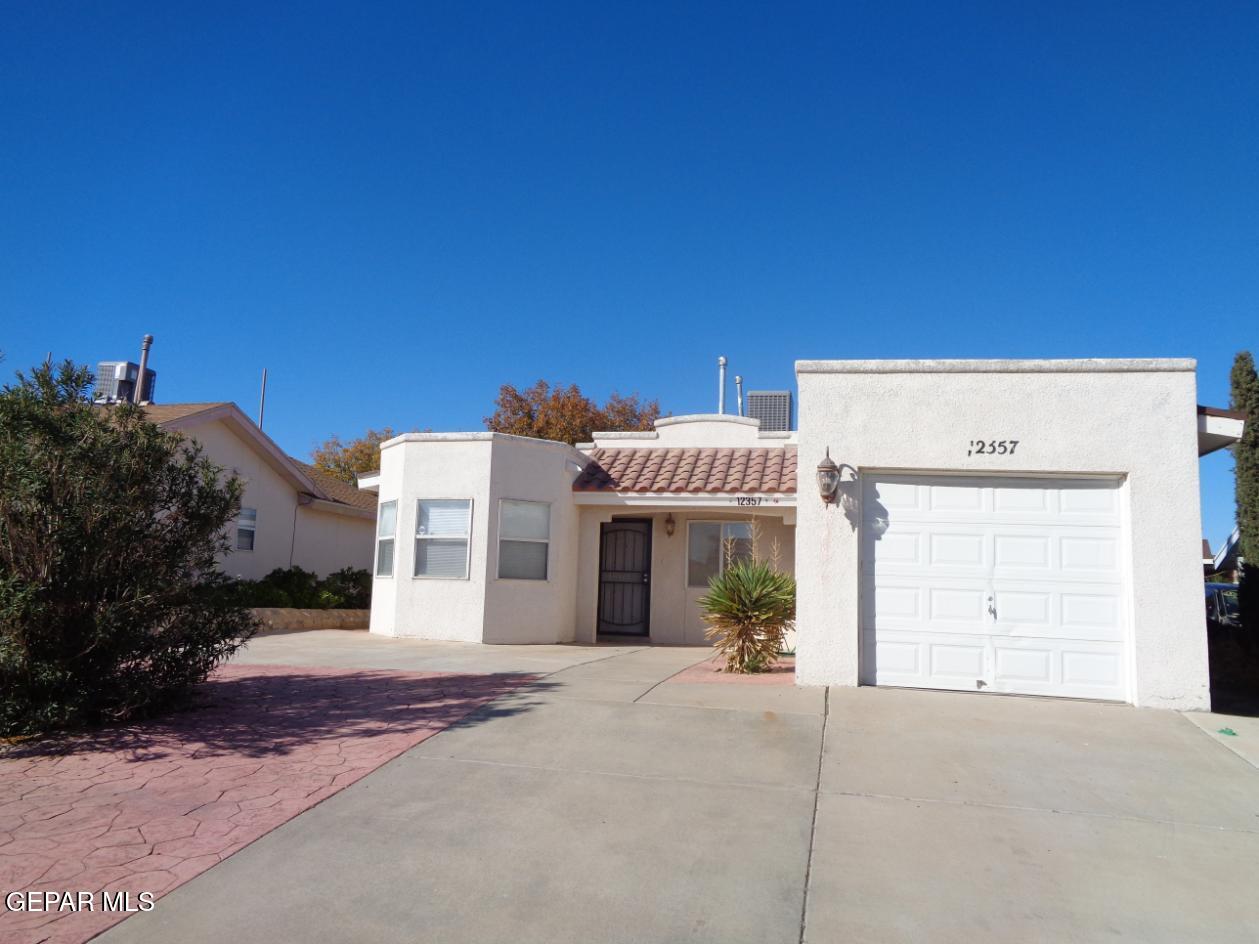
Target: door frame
pixel 651 528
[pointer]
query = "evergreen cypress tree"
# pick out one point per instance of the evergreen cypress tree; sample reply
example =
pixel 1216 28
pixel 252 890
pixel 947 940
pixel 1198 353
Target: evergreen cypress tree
pixel 1244 384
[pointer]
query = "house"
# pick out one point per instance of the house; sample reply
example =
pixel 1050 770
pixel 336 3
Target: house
pixel 1227 563
pixel 998 526
pixel 291 513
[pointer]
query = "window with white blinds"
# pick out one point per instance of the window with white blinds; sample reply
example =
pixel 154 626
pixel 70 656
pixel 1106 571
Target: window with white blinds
pixel 246 528
pixel 524 539
pixel 386 527
pixel 442 529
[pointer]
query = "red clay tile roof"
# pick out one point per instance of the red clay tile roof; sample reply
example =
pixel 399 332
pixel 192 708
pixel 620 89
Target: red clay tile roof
pixel 690 470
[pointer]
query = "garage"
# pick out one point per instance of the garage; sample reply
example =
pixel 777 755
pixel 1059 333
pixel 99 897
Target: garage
pixel 995 584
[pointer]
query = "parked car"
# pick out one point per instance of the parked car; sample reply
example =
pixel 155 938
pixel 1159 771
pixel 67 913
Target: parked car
pixel 1223 608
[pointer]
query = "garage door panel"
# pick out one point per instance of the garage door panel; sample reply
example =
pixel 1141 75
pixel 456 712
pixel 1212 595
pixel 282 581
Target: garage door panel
pixel 899 496
pixel 957 550
pixel 1021 501
pixel 994 584
pixel 1023 666
pixel 1082 501
pixel 961 661
pixel 1091 554
pixel 955 497
pixel 1022 551
pixel 951 604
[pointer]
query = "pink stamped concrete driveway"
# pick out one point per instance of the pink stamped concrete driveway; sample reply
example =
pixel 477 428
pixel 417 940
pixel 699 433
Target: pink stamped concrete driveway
pixel 148 806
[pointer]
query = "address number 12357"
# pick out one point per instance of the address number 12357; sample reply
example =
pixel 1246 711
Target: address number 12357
pixel 992 447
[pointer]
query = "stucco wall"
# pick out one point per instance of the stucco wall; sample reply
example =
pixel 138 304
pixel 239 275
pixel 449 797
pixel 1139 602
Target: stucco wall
pixel 328 540
pixel 482 608
pixel 698 431
pixel 264 489
pixel 404 605
pixel 675 615
pixel 1136 419
pixel 287 534
pixel 534 611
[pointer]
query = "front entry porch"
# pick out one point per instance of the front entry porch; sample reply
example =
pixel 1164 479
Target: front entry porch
pixel 642 568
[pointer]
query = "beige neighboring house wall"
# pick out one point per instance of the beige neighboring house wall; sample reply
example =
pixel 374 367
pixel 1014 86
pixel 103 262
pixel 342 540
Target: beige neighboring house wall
pixel 303 518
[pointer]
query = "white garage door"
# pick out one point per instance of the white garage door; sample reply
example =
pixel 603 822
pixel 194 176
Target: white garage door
pixel 994 584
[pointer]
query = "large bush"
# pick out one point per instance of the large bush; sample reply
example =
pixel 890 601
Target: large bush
pixel 111 605
pixel 345 589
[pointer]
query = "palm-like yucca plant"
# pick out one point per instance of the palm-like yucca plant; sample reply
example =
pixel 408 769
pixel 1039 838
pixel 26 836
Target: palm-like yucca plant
pixel 748 608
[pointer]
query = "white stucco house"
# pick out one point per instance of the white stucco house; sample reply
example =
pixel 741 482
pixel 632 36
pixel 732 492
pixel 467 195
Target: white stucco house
pixel 1022 527
pixel 291 513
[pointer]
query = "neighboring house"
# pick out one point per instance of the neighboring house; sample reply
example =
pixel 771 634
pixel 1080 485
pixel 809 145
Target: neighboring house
pixel 1226 565
pixel 1001 526
pixel 291 513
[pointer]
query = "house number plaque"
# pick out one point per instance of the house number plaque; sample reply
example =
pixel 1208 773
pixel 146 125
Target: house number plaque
pixel 992 447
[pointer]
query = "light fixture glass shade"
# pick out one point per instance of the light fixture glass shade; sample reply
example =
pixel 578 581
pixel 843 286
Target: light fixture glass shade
pixel 827 477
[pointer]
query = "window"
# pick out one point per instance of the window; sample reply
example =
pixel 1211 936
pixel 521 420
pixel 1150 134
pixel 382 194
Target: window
pixel 246 527
pixel 442 526
pixel 386 526
pixel 706 548
pixel 524 538
pixel 1232 605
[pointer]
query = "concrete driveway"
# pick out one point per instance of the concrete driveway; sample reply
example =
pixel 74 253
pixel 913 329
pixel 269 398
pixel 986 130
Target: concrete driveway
pixel 616 800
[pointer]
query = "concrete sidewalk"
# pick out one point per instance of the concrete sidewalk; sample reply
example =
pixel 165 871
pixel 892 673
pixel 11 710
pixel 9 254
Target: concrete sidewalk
pixel 616 801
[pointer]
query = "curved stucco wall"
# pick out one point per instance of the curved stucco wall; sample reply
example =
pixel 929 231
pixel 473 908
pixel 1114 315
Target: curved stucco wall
pixel 1134 419
pixel 485 468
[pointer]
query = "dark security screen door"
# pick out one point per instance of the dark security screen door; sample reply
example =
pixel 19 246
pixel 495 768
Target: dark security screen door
pixel 624 577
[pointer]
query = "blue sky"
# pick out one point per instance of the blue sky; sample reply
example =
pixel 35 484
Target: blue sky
pixel 396 208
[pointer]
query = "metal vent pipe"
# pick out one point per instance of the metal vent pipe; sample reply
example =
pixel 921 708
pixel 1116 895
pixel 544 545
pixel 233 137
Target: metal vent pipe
pixel 137 395
pixel 738 389
pixel 721 384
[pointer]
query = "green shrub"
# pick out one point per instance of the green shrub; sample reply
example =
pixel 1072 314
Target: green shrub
pixel 345 589
pixel 111 603
pixel 748 608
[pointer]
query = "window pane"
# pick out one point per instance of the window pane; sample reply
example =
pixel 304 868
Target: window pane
pixel 244 539
pixel 526 519
pixel 384 558
pixel 444 516
pixel 1232 604
pixel 248 516
pixel 703 553
pixel 442 557
pixel 387 520
pixel 525 560
pixel 737 541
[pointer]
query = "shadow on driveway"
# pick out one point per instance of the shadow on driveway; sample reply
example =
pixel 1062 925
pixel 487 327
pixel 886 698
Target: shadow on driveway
pixel 146 807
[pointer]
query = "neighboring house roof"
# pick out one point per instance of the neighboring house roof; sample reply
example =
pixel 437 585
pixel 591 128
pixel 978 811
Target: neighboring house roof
pixel 1207 556
pixel 1218 429
pixel 338 490
pixel 305 478
pixel 1228 550
pixel 163 413
pixel 690 470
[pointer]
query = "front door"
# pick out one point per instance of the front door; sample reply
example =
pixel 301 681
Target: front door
pixel 625 577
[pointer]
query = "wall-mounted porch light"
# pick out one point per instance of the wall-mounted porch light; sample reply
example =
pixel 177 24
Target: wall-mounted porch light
pixel 669 525
pixel 827 477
